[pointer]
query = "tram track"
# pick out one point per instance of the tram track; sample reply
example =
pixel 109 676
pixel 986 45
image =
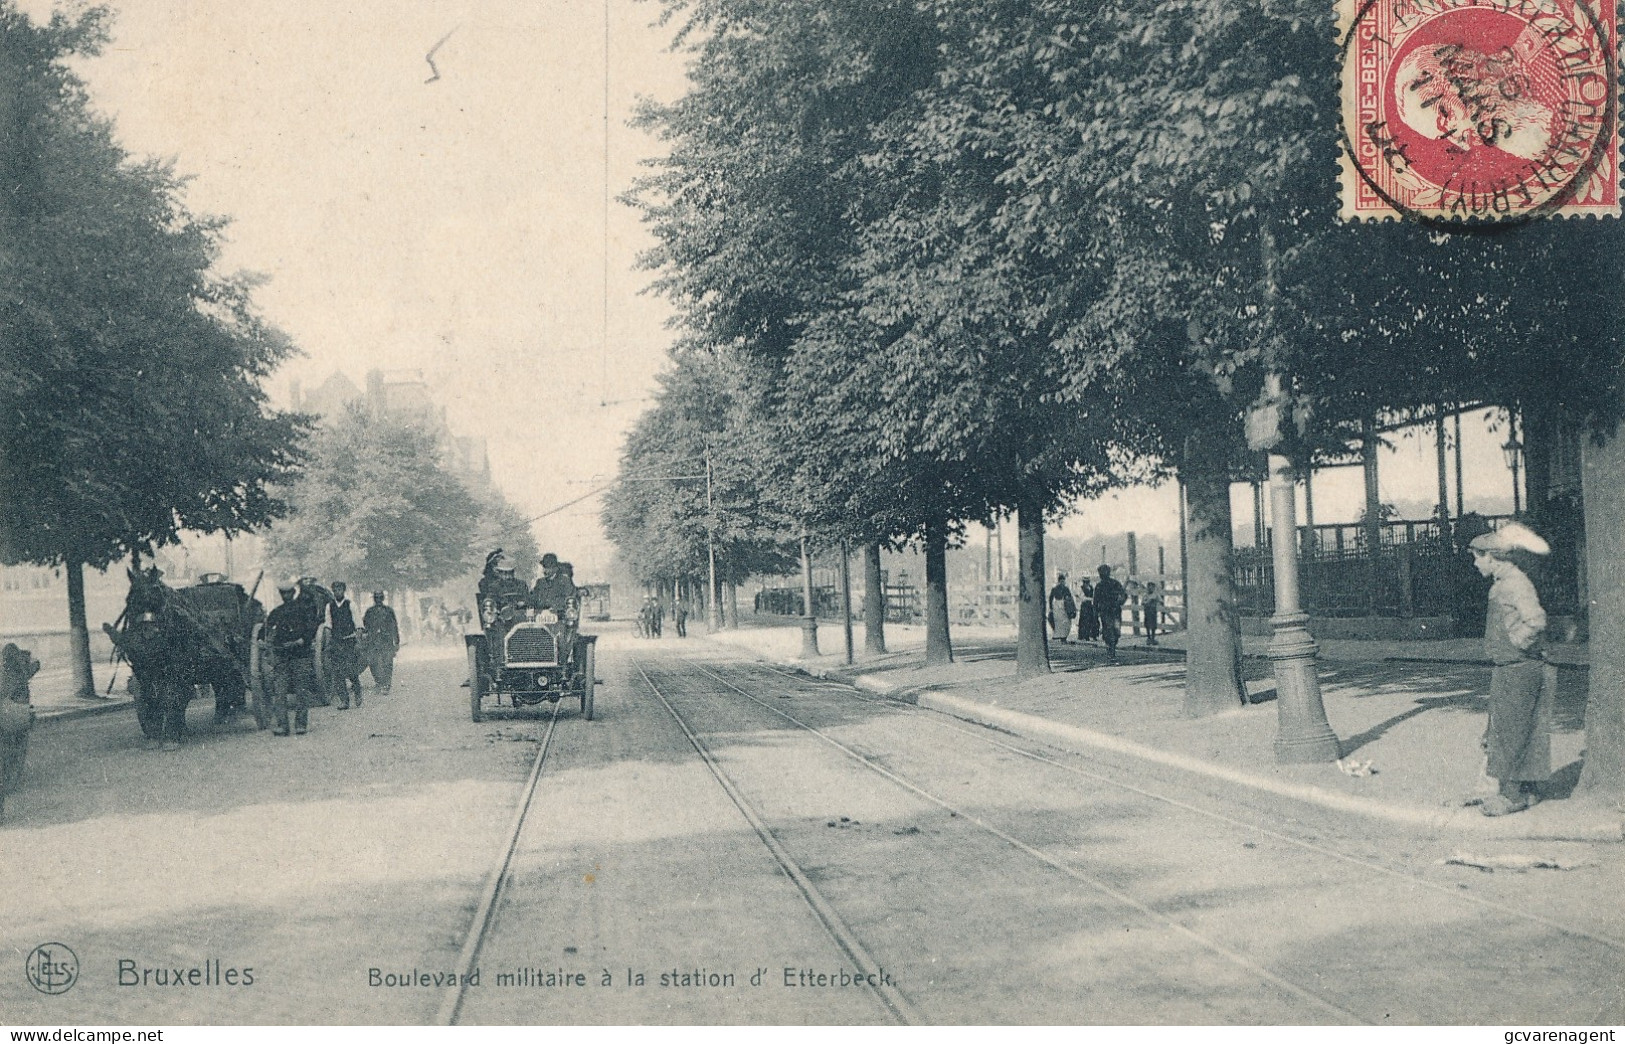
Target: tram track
pixel 982 736
pixel 691 692
pixel 839 932
pixel 1098 885
pixel 484 912
pixel 496 891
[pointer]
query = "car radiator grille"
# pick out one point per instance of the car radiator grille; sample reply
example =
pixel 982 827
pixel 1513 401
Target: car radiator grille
pixel 532 645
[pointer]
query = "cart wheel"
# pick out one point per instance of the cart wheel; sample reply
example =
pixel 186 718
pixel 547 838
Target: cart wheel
pixel 476 683
pixel 258 687
pixel 589 680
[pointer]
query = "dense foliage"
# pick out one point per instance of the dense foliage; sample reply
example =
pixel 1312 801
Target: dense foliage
pixel 131 405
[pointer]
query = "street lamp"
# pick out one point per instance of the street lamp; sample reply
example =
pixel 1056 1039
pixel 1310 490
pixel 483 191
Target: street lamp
pixel 1512 450
pixel 1303 735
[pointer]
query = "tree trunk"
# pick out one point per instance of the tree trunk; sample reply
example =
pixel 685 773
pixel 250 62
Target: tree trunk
pixel 938 646
pixel 1032 644
pixel 1538 436
pixel 1213 656
pixel 874 602
pixel 84 679
pixel 730 605
pixel 1603 478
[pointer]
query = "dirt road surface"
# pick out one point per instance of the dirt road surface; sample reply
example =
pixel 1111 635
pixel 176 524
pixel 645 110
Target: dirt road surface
pixel 728 843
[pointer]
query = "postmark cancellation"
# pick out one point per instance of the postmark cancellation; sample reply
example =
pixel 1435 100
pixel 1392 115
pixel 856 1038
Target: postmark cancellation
pixel 1479 110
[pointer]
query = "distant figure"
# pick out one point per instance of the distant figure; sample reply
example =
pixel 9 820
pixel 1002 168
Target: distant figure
pixel 1110 597
pixel 657 617
pixel 1151 610
pixel 679 619
pixel 1062 608
pixel 291 629
pixel 1088 622
pixel 17 666
pixel 383 641
pixel 344 653
pixel 1516 742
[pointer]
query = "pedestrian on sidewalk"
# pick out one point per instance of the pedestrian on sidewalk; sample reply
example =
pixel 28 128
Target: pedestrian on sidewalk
pixel 1110 597
pixel 1151 611
pixel 1515 738
pixel 383 641
pixel 1062 608
pixel 291 628
pixel 344 654
pixel 17 666
pixel 1088 621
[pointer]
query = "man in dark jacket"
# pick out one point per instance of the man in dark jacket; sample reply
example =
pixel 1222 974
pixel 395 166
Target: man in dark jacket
pixel 554 589
pixel 1110 597
pixel 344 654
pixel 383 641
pixel 291 629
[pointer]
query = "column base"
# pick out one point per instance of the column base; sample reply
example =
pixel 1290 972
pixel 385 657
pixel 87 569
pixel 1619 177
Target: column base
pixel 1303 736
pixel 809 637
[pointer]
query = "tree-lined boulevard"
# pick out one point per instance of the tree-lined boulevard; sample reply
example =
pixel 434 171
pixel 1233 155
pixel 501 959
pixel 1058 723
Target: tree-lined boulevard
pixel 990 878
pixel 940 264
pixel 929 266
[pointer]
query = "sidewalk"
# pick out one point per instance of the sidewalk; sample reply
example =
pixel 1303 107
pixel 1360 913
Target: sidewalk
pixel 1417 723
pixel 53 698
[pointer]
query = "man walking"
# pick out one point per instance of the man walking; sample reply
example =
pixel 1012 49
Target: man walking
pixel 291 628
pixel 344 654
pixel 383 641
pixel 1110 597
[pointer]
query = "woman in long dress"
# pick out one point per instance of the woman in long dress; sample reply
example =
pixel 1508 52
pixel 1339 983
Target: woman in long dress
pixel 1088 622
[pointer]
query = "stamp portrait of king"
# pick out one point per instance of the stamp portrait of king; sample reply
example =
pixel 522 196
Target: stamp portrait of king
pixel 1494 110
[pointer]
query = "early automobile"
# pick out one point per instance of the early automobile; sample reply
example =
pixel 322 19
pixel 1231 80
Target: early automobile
pixel 527 654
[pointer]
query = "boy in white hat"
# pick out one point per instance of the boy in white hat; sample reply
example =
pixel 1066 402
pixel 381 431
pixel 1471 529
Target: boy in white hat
pixel 1516 741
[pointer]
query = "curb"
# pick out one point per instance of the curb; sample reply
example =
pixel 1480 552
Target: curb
pixel 1072 737
pixel 71 713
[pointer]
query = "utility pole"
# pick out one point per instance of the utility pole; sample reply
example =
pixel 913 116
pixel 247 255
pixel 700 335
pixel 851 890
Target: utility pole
pixel 846 599
pixel 713 602
pixel 809 622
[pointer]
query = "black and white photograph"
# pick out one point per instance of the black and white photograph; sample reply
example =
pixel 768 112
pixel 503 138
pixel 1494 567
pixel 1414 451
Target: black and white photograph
pixel 805 513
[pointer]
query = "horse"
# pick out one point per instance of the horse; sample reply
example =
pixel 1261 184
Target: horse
pixel 177 640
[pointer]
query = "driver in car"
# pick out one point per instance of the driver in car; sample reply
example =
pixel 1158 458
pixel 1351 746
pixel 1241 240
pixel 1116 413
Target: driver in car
pixel 554 589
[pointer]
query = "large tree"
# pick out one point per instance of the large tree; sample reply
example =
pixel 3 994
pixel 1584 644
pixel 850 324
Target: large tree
pixel 375 507
pixel 131 371
pixel 690 483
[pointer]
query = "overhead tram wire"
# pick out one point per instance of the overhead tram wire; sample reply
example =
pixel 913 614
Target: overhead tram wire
pixel 594 492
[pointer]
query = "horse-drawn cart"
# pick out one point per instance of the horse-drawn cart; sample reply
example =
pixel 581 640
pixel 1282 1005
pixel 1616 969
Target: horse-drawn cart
pixel 180 640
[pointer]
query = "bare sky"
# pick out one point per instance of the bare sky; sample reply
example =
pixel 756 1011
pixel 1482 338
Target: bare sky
pixel 455 227
pixel 467 228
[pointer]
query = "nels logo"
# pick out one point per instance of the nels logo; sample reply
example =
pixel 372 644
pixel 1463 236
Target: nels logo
pixel 52 968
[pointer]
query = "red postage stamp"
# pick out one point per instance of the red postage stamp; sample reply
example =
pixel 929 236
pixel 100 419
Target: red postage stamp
pixel 1487 110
